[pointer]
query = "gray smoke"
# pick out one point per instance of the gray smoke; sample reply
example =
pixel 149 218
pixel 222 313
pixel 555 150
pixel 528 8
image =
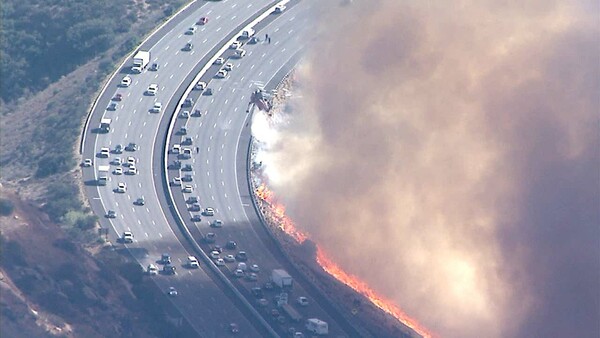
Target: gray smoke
pixel 447 153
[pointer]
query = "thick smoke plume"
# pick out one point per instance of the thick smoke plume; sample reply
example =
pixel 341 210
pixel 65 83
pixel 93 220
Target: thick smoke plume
pixel 448 153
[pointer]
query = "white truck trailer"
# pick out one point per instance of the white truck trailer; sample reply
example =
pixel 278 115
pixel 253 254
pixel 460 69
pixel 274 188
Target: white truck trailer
pixel 140 61
pixel 103 177
pixel 281 278
pixel 317 326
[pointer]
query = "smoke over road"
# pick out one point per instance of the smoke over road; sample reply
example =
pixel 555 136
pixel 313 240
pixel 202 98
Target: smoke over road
pixel 447 153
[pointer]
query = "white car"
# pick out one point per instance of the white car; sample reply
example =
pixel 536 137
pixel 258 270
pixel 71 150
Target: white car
pixel 240 53
pixel 152 89
pixel 221 74
pixel 187 189
pixel 220 262
pixel 185 114
pixel 238 273
pixel 132 170
pixel 126 81
pixel 157 108
pixel 121 187
pixel 88 162
pixel 136 69
pixel 228 66
pixel 190 31
pixel 216 223
pixel 193 262
pixel 254 268
pixel 177 181
pixel 219 61
pixel 235 45
pixel 131 161
pixel 215 254
pixel 127 237
pixel 118 171
pixel 303 301
pixel 172 292
pixel 117 161
pixel 104 152
pixel 201 85
pixel 209 212
pixel 229 259
pixel 152 270
pixel 279 9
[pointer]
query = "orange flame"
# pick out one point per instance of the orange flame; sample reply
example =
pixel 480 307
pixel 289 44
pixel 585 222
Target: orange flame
pixel 277 214
pixel 361 287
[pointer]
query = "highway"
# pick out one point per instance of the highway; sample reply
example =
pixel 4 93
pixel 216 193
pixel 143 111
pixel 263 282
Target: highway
pixel 208 309
pixel 218 165
pixel 219 158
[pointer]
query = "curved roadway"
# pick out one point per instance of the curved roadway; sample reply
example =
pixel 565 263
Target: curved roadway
pixel 200 300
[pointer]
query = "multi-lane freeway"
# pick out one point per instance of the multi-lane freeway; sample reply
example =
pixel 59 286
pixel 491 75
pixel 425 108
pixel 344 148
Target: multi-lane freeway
pixel 217 165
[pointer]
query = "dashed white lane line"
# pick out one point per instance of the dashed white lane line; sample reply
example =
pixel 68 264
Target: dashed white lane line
pixel 170 77
pixel 166 63
pixel 276 29
pixel 218 29
pixel 218 17
pixel 220 112
pixel 226 100
pixel 167 48
pixel 223 183
pixel 233 6
pixel 145 233
pixel 213 197
pixel 235 109
pixel 251 67
pixel 249 5
pixel 204 41
pixel 180 65
pixel 233 17
pixel 176 52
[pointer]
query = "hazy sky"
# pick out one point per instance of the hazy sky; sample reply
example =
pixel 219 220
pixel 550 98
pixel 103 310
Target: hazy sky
pixel 448 153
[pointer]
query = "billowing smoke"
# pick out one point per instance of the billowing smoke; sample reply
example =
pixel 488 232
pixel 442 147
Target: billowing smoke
pixel 448 154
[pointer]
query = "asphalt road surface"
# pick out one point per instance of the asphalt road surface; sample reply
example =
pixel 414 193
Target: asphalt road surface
pixel 208 309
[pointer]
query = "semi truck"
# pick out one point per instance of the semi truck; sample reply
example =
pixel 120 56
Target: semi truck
pixel 281 278
pixel 317 326
pixel 140 61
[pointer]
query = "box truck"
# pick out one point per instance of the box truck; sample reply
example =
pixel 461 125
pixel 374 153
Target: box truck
pixel 281 278
pixel 140 61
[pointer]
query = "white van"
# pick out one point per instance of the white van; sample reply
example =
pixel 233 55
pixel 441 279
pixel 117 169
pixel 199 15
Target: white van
pixel 247 33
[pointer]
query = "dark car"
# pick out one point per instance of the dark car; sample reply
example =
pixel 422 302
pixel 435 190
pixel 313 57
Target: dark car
pixel 140 201
pixel 165 259
pixel 192 200
pixel 257 292
pixel 207 92
pixel 188 46
pixel 169 269
pixel 187 167
pixel 253 40
pixel 241 256
pixel 194 207
pixel 111 214
pixel 210 237
pixel 188 102
pixel 231 245
pixel 132 147
pixel 154 67
pixel 117 97
pixel 187 141
pixel 118 149
pixel 217 248
pixel 196 218
pixel 203 21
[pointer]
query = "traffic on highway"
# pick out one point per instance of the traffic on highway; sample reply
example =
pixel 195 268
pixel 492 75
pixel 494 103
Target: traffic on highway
pixel 165 165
